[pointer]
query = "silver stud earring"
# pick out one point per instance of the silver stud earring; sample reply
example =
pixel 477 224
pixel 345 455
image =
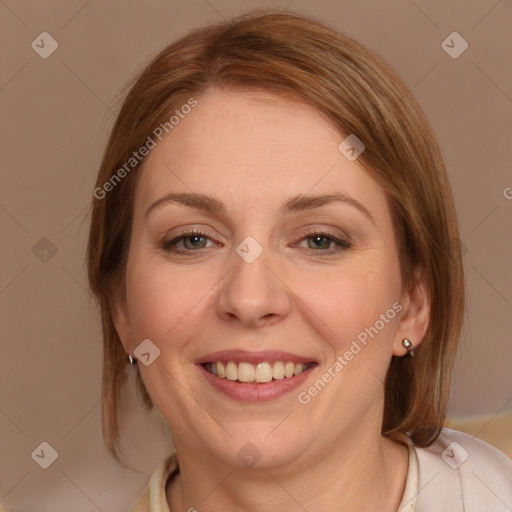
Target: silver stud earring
pixel 131 360
pixel 409 346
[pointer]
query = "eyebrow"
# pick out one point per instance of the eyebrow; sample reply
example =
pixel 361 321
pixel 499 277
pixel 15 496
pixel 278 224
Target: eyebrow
pixel 293 204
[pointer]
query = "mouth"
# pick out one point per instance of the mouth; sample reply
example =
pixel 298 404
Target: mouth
pixel 262 372
pixel 255 376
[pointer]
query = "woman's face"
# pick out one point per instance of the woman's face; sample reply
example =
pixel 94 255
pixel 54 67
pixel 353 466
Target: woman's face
pixel 277 275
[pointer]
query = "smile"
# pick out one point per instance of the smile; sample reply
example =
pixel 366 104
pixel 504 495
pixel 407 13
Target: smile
pixel 261 372
pixel 255 376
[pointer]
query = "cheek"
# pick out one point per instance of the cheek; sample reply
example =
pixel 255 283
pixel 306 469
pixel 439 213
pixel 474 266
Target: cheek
pixel 164 306
pixel 352 303
pixel 163 303
pixel 162 293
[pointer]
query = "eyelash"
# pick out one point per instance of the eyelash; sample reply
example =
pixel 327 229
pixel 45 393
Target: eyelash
pixel 343 245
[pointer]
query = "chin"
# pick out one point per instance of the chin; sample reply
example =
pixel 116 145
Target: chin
pixel 259 450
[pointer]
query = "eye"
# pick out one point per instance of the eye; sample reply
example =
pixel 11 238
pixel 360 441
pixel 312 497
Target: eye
pixel 321 242
pixel 196 239
pixel 192 240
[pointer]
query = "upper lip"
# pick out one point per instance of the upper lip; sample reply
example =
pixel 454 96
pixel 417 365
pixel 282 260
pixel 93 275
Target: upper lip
pixel 253 357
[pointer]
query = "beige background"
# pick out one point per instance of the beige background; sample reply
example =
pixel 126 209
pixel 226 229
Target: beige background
pixel 56 114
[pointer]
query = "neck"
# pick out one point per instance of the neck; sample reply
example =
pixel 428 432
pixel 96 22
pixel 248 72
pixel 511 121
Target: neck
pixel 359 472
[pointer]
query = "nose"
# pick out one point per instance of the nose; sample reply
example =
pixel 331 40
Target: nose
pixel 253 294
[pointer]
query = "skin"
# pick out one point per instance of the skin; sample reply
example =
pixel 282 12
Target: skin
pixel 252 151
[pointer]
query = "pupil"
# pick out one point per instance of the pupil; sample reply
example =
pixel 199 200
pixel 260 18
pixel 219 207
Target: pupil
pixel 194 239
pixel 318 239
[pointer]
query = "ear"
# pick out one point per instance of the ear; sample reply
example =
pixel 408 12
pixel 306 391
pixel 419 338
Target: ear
pixel 415 315
pixel 120 317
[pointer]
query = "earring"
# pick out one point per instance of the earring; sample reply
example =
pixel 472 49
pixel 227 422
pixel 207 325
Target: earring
pixel 409 346
pixel 131 360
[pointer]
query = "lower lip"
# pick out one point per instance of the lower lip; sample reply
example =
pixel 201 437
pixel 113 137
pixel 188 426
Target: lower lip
pixel 254 391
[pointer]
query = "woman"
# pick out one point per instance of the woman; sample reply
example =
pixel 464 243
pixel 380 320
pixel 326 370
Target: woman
pixel 272 247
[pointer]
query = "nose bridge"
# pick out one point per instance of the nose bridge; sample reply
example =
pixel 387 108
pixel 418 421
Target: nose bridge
pixel 252 293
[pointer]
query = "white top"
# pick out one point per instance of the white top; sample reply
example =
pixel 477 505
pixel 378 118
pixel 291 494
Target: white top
pixel 456 473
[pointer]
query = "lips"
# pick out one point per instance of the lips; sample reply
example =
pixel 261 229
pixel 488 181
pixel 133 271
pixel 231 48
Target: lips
pixel 247 356
pixel 255 376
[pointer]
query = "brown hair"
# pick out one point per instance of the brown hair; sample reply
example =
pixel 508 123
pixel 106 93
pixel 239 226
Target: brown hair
pixel 360 94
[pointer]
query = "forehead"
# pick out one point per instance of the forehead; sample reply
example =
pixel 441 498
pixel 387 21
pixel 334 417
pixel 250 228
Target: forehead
pixel 252 144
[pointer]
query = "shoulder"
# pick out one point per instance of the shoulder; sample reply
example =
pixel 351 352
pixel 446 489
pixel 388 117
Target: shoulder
pixel 153 498
pixel 461 472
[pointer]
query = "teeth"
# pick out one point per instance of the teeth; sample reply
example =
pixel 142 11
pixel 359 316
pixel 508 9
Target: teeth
pixel 299 367
pixel 262 372
pixel 231 371
pixel 289 368
pixel 278 370
pixel 245 372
